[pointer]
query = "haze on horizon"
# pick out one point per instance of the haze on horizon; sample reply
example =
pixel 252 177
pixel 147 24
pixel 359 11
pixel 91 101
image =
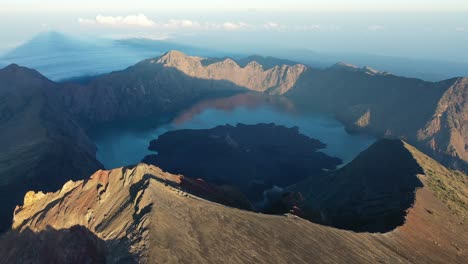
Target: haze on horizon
pixel 434 29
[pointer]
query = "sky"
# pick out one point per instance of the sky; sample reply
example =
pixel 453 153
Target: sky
pixel 153 5
pixel 433 29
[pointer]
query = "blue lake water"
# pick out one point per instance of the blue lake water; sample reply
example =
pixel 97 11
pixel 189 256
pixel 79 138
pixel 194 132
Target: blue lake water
pixel 127 144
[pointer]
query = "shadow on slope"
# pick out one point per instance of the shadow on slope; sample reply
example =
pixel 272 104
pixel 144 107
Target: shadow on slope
pixel 73 245
pixel 370 194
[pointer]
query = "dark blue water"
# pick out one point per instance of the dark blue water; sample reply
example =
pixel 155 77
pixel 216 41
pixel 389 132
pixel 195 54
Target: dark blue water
pixel 126 144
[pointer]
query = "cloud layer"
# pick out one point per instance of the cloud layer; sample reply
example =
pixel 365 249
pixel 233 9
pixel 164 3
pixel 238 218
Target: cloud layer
pixel 139 20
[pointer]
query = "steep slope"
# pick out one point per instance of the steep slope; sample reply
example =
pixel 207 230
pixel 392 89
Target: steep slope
pixel 432 116
pixel 447 131
pixel 42 147
pixel 145 90
pixel 144 217
pixel 74 245
pixel 278 79
pixel 377 189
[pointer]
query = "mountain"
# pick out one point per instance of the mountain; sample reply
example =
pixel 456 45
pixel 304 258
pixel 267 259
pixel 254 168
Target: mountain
pixel 380 188
pixel 431 115
pixel 168 83
pixel 42 122
pixel 422 68
pixel 276 80
pixel 145 90
pixel 42 145
pixel 142 216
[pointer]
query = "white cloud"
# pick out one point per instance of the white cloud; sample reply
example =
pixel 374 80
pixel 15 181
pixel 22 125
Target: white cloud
pixel 460 29
pixel 271 25
pixel 375 28
pixel 180 23
pixel 235 26
pixel 139 20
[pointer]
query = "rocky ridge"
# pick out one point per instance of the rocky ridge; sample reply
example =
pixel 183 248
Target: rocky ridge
pixel 143 217
pixel 276 80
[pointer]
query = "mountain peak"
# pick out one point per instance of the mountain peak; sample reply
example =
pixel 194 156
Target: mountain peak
pixel 174 53
pixel 171 56
pixel 350 67
pixel 12 67
pixel 344 65
pixel 17 70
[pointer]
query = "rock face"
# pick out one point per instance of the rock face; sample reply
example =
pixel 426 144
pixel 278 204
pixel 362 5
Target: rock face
pixel 431 116
pixel 41 145
pixel 252 158
pixel 143 216
pixel 447 131
pixel 278 79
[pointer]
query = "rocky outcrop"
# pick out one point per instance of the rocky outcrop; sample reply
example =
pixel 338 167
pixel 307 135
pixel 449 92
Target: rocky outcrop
pixel 446 133
pixel 41 144
pixel 144 217
pixel 276 80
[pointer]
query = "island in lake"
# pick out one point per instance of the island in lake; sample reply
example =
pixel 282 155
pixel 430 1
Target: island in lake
pixel 252 158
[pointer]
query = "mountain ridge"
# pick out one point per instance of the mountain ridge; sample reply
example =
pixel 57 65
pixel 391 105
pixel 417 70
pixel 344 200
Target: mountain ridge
pixel 276 80
pixel 152 218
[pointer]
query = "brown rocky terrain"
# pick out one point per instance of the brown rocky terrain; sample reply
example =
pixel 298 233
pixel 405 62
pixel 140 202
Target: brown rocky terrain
pixel 144 217
pixel 276 80
pixel 41 145
pixel 447 131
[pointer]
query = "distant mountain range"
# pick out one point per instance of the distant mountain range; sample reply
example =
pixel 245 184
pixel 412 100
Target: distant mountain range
pixel 59 56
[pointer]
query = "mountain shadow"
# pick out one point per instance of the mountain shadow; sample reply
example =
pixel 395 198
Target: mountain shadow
pixel 370 194
pixel 74 245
